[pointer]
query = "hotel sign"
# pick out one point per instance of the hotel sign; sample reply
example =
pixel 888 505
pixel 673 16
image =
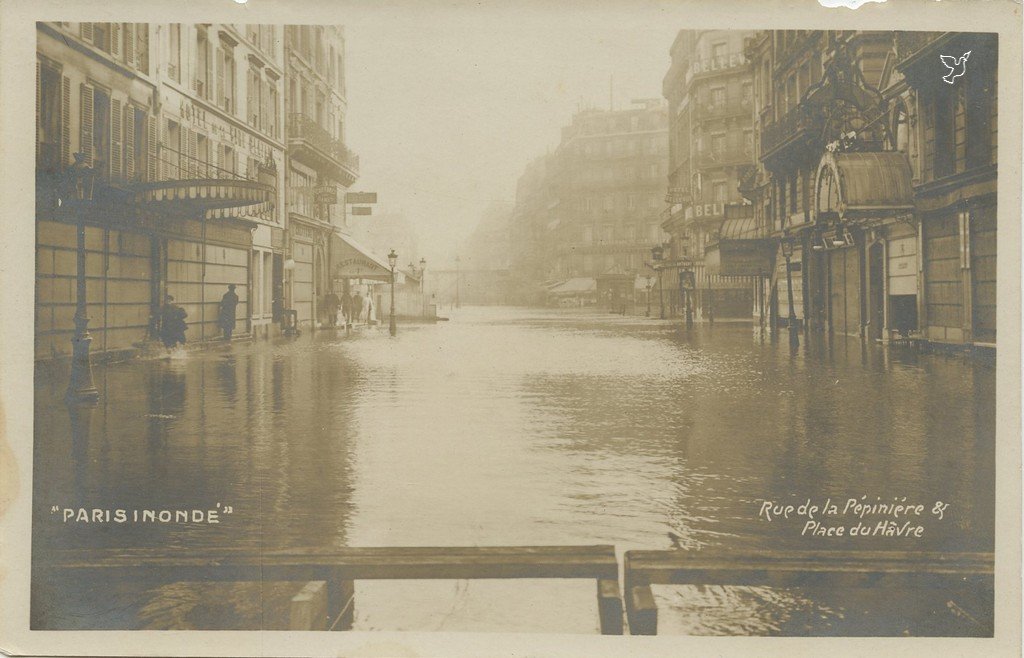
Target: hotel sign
pixel 705 211
pixel 717 63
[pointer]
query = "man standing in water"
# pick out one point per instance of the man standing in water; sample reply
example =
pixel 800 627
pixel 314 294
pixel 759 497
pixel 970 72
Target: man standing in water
pixel 357 307
pixel 331 302
pixel 226 316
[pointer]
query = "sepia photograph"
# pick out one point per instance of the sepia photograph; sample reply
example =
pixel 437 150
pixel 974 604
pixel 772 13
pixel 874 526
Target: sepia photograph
pixel 417 321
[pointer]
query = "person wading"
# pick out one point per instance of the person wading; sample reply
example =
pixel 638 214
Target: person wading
pixel 226 315
pixel 172 323
pixel 346 308
pixel 357 307
pixel 331 302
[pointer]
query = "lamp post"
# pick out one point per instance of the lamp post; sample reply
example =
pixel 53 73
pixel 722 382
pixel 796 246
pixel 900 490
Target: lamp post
pixel 657 254
pixel 423 287
pixel 649 283
pixel 787 252
pixel 458 276
pixel 392 259
pixel 81 389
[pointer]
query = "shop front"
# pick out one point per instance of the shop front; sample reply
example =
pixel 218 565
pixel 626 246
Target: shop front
pixel 862 278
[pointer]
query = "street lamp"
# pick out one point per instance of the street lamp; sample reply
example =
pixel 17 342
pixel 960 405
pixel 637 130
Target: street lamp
pixel 392 259
pixel 423 297
pixel 458 275
pixel 79 182
pixel 788 245
pixel 657 254
pixel 648 278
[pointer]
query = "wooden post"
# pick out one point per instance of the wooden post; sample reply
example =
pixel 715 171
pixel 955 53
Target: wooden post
pixel 641 611
pixel 309 608
pixel 609 606
pixel 340 602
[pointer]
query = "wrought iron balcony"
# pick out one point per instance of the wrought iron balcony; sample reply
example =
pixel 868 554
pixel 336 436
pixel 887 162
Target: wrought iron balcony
pixel 731 106
pixel 310 142
pixel 723 157
pixel 795 127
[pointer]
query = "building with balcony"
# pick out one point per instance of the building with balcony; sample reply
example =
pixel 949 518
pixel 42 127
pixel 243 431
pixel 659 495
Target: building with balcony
pixel 185 187
pixel 711 148
pixel 590 209
pixel 320 167
pixel 881 177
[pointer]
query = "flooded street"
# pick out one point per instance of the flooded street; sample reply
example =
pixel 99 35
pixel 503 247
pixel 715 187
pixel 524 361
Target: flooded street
pixel 509 426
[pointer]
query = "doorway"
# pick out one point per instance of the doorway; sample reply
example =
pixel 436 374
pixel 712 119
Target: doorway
pixel 876 287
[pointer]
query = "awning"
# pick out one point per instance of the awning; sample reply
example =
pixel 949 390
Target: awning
pixel 349 260
pixel 214 197
pixel 742 250
pixel 859 185
pixel 576 286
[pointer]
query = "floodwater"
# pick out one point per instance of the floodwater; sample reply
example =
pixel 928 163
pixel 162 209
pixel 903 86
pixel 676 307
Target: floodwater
pixel 510 426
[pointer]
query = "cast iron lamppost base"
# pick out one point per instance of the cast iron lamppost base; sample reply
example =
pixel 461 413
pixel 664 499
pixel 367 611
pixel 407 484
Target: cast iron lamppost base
pixel 78 189
pixel 392 259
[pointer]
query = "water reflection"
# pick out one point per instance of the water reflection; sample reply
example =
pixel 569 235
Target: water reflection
pixel 508 426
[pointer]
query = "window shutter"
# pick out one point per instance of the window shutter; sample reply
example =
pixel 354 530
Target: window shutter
pixel 142 47
pixel 115 39
pixel 129 44
pixel 215 161
pixel 250 104
pixel 65 122
pixel 86 143
pixel 151 148
pixel 129 142
pixel 39 106
pixel 86 29
pixel 193 150
pixel 115 138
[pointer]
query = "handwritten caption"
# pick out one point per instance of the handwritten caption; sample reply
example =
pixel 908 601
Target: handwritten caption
pixel 96 515
pixel 856 517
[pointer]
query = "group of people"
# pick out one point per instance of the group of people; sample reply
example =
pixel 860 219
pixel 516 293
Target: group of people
pixel 354 308
pixel 173 325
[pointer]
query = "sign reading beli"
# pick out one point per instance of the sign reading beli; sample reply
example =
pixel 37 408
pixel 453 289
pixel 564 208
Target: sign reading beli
pixel 705 210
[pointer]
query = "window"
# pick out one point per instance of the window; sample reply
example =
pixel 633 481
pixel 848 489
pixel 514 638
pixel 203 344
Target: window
pixel 254 98
pixel 609 203
pixel 718 144
pixel 272 107
pixel 172 151
pixel 588 234
pixel 718 53
pixel 718 189
pixel 49 123
pixel 747 93
pixel 174 62
pixel 227 162
pixel 945 153
pixel 203 65
pixel 979 91
pixel 203 156
pixel 718 96
pixel 139 145
pixel 631 202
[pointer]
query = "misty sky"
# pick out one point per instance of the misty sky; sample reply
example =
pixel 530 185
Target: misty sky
pixel 446 107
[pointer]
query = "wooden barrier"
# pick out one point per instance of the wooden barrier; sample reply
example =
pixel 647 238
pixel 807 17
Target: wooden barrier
pixel 834 569
pixel 338 569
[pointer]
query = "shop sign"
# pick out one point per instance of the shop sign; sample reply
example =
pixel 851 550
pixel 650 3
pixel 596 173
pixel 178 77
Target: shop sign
pixel 326 195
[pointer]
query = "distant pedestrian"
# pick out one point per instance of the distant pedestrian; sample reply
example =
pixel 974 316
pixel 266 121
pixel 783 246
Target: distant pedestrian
pixel 172 323
pixel 346 308
pixel 369 309
pixel 357 307
pixel 226 313
pixel 331 303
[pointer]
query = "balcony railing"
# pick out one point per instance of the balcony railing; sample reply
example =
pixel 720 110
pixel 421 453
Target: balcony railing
pixel 909 44
pixel 305 129
pixel 175 165
pixel 795 124
pixel 711 157
pixel 731 106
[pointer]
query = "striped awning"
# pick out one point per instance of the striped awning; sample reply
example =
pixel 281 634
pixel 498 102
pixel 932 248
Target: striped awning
pixel 212 197
pixel 863 184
